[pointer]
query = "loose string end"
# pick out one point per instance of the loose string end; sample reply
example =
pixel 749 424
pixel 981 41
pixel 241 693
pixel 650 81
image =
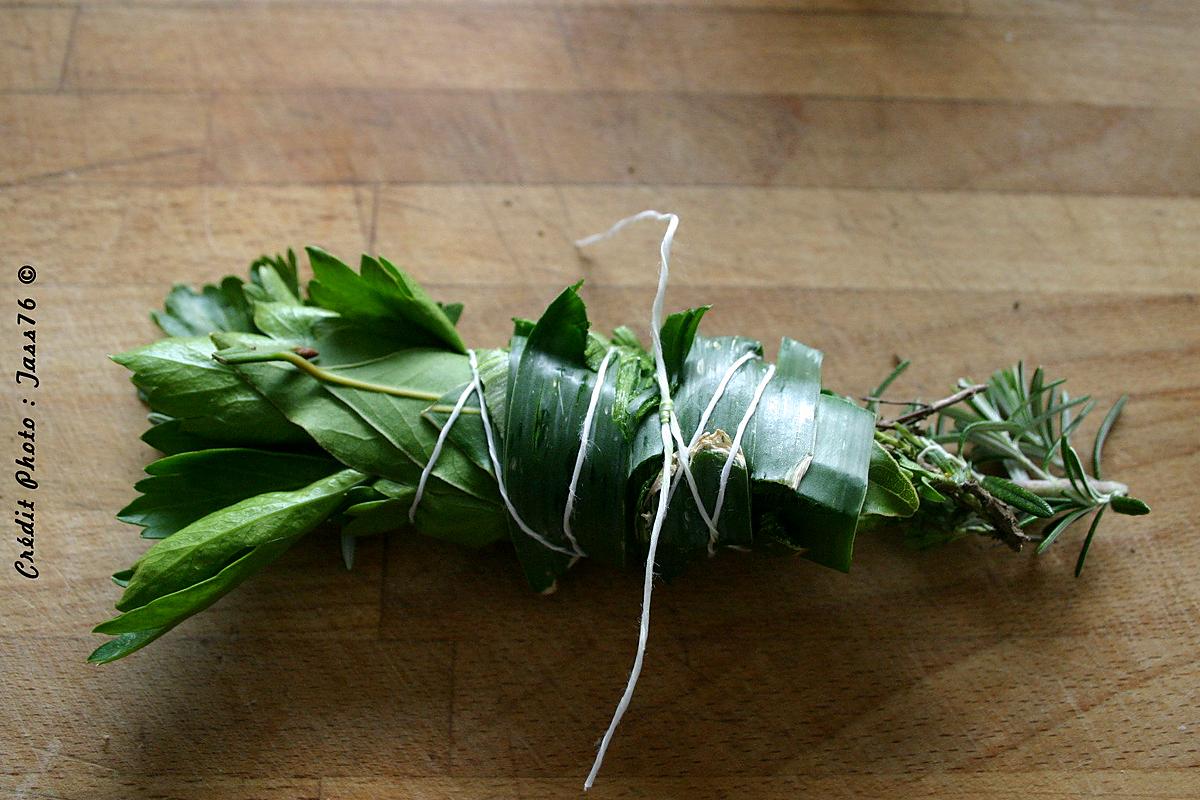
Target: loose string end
pixel 665 406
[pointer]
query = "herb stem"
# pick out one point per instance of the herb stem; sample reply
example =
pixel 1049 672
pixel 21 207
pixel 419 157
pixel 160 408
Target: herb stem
pixel 932 408
pixel 324 375
pixel 1055 487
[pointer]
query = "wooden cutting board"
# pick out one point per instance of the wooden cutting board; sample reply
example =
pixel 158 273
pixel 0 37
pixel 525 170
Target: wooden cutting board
pixel 964 185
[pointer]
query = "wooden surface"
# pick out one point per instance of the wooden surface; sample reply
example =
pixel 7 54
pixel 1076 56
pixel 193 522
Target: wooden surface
pixel 961 182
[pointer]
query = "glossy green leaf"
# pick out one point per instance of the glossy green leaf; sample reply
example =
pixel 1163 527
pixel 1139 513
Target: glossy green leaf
pixel 203 548
pixel 222 307
pixel 123 645
pixel 394 304
pixel 168 610
pixel 552 387
pixel 180 379
pixel 890 493
pixel 834 487
pixel 183 488
pixel 385 435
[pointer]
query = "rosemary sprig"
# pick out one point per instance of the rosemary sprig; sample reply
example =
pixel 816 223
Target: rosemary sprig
pixel 1000 461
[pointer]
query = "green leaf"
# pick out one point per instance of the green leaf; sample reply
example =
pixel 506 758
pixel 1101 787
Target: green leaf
pixel 552 387
pixel 1055 529
pixel 384 435
pixel 453 311
pixel 685 536
pixel 180 379
pixel 123 645
pixel 890 493
pixel 1131 506
pixel 835 485
pixel 932 495
pixel 1087 543
pixel 623 336
pixel 561 332
pixel 1074 469
pixel 291 322
pixel 168 610
pixel 269 287
pixel 882 388
pixel 395 304
pixel 284 267
pixel 202 549
pixel 1020 498
pixel 1106 426
pixel 187 312
pixel 166 434
pixel 183 488
pixel 677 335
pixel 467 434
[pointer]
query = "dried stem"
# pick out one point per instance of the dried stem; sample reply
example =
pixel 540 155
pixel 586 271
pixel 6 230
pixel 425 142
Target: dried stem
pixel 932 408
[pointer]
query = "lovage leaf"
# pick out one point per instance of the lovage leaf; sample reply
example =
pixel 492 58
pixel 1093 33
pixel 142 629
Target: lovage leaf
pixel 205 547
pixel 168 610
pixel 382 434
pixel 379 292
pixel 187 312
pixel 183 488
pixel 179 378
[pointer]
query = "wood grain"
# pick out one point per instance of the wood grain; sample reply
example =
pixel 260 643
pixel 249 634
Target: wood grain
pixel 961 182
pixel 688 138
pixel 33 46
pixel 247 48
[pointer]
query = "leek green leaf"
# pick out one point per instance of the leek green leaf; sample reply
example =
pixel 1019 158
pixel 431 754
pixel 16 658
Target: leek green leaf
pixel 685 536
pixel 552 387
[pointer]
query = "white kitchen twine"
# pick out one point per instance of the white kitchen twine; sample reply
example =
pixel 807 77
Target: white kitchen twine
pixel 584 435
pixel 727 468
pixel 665 413
pixel 476 387
pixel 669 433
pixel 437 450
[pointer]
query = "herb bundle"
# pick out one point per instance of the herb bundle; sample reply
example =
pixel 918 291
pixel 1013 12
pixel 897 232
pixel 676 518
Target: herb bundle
pixel 357 403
